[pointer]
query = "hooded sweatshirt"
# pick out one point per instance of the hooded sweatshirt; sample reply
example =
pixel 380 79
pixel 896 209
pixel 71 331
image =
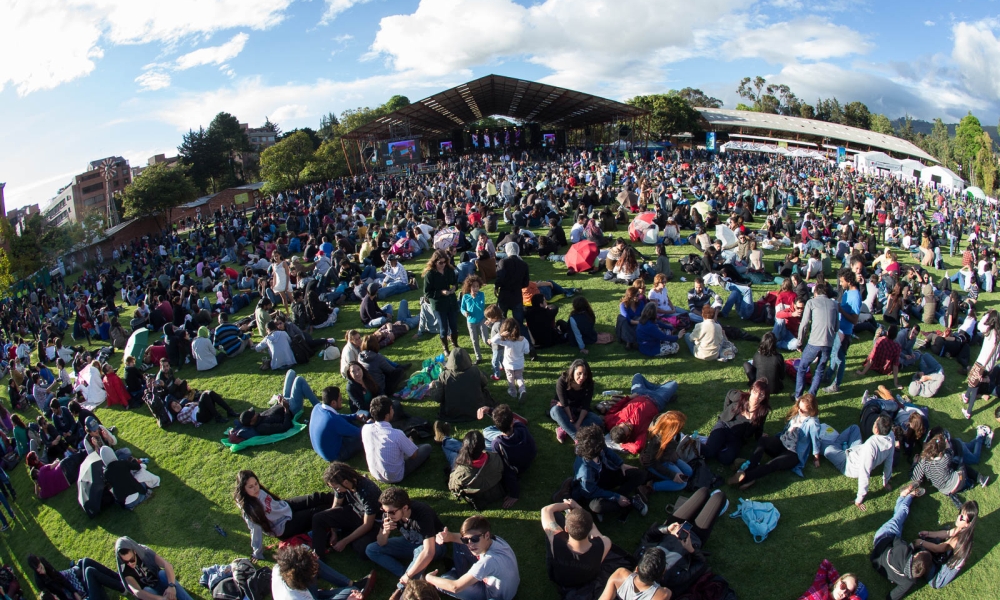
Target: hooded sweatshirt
pixel 892 558
pixel 518 451
pixel 145 569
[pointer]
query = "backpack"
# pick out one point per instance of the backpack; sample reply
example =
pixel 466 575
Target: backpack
pixel 710 586
pixel 702 476
pixel 158 407
pixel 253 583
pixel 869 414
pixel 686 570
pixel 227 589
pixel 760 517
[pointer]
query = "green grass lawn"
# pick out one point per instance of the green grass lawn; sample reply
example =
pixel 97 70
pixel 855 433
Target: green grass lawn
pixel 818 517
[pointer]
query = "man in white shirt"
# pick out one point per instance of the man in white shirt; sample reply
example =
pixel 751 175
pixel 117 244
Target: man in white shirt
pixel 485 566
pixel 390 454
pixel 858 460
pixel 579 230
pixel 279 345
pixel 396 280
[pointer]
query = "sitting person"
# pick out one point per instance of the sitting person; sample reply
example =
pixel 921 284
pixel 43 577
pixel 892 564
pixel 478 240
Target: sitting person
pixel 831 585
pixel 49 479
pixel 334 436
pixel 63 585
pixel 119 478
pixel 628 421
pixel 789 449
pixel 390 454
pixel 653 336
pixel 767 364
pixel 884 357
pixel 175 386
pixel 466 388
pixel 928 379
pixel 576 549
pixel 540 319
pixel 937 464
pixel 361 388
pixel 857 460
pixel 574 395
pixel 894 559
pixel 485 565
pixel 418 526
pixel 643 583
pixel 951 547
pixel 145 573
pixel 476 475
pixel 660 456
pixel 387 375
pixel 204 351
pixel 699 297
pixel 743 415
pixel 264 512
pixel 706 338
pixel 204 409
pixel 353 519
pixel 295 573
pixel 279 345
pixel 229 338
pixel 599 471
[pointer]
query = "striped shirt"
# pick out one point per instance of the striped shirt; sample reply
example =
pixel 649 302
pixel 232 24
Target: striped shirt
pixel 228 337
pixel 938 471
pixel 386 450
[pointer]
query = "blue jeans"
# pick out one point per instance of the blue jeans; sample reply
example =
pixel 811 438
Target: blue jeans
pixel 786 339
pixel 971 450
pixel 451 448
pixel 660 394
pixel 838 356
pixel 837 451
pixel 928 364
pixel 497 359
pixel 380 321
pixel 392 289
pixel 689 342
pixel 559 415
pixel 491 433
pixel 464 559
pixel 695 317
pixel 736 298
pixel 296 391
pixel 397 549
pixel 158 590
pixel 548 292
pixel 809 354
pixel 894 526
pixel 669 485
pixel 332 576
pixel 405 316
pixel 944 576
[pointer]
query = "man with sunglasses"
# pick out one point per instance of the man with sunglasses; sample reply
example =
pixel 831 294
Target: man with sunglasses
pixel 485 566
pixel 146 574
pixel 418 525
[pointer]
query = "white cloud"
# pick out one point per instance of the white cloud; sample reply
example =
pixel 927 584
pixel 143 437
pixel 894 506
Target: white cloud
pixel 929 23
pixel 150 81
pixel 335 7
pixel 976 54
pixel 811 38
pixel 340 39
pixel 50 42
pixel 213 55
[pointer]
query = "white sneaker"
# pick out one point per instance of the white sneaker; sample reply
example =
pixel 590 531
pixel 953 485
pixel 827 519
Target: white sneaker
pixel 833 388
pixel 725 506
pixel 986 432
pixel 864 398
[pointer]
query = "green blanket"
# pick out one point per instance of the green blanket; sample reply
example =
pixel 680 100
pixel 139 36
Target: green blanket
pixel 260 440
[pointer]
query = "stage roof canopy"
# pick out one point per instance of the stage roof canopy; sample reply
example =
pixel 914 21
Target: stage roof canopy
pixel 519 99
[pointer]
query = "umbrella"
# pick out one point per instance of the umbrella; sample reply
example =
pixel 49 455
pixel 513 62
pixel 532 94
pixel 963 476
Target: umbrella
pixel 90 485
pixel 581 256
pixel 137 343
pixel 446 238
pixel 643 228
pixel 726 235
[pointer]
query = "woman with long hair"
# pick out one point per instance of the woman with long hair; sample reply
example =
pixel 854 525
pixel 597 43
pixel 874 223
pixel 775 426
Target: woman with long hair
pixel 361 387
pixel 440 289
pixel 387 375
pixel 582 323
pixel 87 578
pixel 789 449
pixel 265 512
pixel 743 415
pixel 938 466
pixel 767 364
pixel 627 267
pixel 987 360
pixel 660 457
pixel 574 394
pixel 952 545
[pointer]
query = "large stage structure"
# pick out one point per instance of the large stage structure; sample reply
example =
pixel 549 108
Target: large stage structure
pixel 543 115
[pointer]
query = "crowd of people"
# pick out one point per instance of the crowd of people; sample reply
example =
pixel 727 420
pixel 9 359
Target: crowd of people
pixel 302 257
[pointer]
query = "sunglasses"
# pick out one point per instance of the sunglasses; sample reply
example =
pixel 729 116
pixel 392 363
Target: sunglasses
pixel 472 539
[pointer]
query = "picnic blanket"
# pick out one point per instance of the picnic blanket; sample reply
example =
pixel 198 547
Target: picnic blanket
pixel 298 426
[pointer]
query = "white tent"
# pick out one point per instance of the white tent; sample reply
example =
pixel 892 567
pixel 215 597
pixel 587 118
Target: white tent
pixel 941 177
pixel 911 168
pixel 876 161
pixel 975 192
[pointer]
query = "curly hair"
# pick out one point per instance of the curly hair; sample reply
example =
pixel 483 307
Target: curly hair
pixel 395 497
pixel 590 442
pixel 338 472
pixel 298 566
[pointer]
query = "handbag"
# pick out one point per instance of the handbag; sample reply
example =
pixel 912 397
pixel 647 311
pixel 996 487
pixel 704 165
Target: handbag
pixel 976 375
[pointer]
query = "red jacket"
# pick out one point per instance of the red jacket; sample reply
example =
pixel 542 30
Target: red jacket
pixel 639 411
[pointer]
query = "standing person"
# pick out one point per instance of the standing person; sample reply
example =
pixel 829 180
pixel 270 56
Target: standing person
pixel 264 512
pixel 485 565
pixel 574 395
pixel 985 363
pixel 515 347
pixel 440 283
pixel 281 282
pixel 821 318
pixel 512 277
pixel 146 574
pixel 850 308
pixel 418 526
pixel 473 308
pixel 858 460
pixel 391 455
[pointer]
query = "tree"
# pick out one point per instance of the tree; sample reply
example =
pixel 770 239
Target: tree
pixel 205 157
pixel 234 141
pixel 746 107
pixel 327 162
pixel 282 164
pixel 880 123
pixel 272 127
pixel 856 114
pixel 313 137
pixel 968 136
pixel 829 110
pixel 986 164
pixel 806 111
pixel 328 126
pixel 158 189
pixel 752 89
pixel 7 278
pixel 938 144
pixel 395 103
pixel 698 98
pixel 670 114
pixel 905 130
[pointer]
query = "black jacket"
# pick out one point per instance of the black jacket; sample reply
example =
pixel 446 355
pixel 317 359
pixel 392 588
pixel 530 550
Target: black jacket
pixel 512 277
pixel 892 558
pixel 276 419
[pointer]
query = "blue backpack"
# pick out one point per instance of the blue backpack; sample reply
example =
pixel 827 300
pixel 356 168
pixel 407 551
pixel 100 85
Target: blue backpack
pixel 760 517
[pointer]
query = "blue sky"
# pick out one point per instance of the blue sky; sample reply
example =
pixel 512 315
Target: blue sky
pixel 84 79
